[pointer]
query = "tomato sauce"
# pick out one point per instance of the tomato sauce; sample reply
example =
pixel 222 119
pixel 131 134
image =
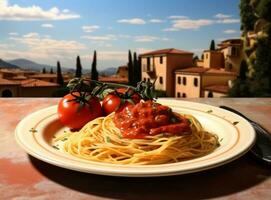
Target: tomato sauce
pixel 150 118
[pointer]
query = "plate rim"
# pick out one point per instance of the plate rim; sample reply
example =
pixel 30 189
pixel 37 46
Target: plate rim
pixel 138 173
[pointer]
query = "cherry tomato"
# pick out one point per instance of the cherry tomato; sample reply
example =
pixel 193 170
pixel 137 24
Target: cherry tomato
pixel 116 101
pixel 75 115
pixel 110 103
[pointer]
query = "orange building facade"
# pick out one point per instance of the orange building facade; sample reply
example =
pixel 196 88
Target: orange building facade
pixel 177 75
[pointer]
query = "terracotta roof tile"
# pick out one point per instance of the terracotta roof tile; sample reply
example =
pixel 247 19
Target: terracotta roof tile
pixel 217 88
pixel 37 83
pixel 114 79
pixel 193 70
pixel 166 51
pixel 8 82
pixel 219 71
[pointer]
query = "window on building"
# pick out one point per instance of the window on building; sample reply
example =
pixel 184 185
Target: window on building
pixel 179 80
pixel 148 63
pixel 144 79
pixel 184 80
pixel 196 82
pixel 149 80
pixel 210 94
pixel 184 95
pixel 206 55
pixel 7 93
pixel 161 80
pixel 51 80
pixel 161 59
pixel 178 94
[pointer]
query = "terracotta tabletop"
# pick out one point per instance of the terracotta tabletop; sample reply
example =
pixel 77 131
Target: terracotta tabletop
pixel 23 177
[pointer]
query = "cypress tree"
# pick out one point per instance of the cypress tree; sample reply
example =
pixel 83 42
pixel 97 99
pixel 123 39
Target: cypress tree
pixel 130 69
pixel 51 71
pixel 212 45
pixel 78 72
pixel 137 69
pixel 94 72
pixel 44 70
pixel 60 80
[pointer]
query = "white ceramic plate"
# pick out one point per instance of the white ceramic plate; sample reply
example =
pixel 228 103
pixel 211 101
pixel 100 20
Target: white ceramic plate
pixel 35 132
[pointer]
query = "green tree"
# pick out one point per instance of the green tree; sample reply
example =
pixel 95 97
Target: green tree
pixel 78 72
pixel 59 78
pixel 137 69
pixel 130 69
pixel 247 15
pixel 212 45
pixel 43 70
pixel 94 72
pixel 51 71
pixel 240 84
pixel 195 59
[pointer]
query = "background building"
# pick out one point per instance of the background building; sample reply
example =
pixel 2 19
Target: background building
pixel 177 75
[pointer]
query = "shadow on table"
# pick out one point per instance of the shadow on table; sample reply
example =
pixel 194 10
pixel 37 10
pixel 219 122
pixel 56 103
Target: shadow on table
pixel 225 180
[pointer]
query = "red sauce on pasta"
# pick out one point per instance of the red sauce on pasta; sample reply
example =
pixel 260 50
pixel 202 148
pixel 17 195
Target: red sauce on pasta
pixel 150 118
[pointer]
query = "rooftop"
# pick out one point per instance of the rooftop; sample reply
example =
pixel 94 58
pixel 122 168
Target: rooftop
pixel 36 83
pixel 217 88
pixel 212 71
pixel 166 51
pixel 8 82
pixel 192 70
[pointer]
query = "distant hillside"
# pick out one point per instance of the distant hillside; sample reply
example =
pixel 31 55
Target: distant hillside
pixel 30 65
pixel 108 71
pixel 4 64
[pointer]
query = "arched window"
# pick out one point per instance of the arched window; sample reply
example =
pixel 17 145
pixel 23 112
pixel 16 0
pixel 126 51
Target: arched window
pixel 7 93
pixel 184 95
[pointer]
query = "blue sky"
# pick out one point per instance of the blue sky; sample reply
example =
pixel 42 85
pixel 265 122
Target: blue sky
pixel 50 30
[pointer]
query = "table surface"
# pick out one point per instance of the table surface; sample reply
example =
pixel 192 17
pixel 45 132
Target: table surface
pixel 25 177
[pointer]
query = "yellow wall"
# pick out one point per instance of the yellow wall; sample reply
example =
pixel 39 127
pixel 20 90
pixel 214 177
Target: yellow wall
pixel 213 59
pixel 159 69
pixel 212 79
pixel 189 89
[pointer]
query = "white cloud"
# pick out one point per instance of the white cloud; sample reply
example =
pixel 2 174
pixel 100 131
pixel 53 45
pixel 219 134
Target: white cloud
pixel 191 24
pixel 177 17
pixel 156 21
pixel 134 21
pixel 13 33
pixel 221 16
pixel 228 21
pixel 230 31
pixel 89 29
pixel 109 56
pixel 170 29
pixel 31 13
pixel 100 38
pixel 47 25
pixel 145 38
pixel 40 47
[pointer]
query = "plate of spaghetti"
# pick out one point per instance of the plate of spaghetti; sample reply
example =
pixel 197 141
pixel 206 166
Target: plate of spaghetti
pixel 167 137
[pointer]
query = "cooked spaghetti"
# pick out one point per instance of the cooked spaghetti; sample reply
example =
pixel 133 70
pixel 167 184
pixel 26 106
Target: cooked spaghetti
pixel 100 140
